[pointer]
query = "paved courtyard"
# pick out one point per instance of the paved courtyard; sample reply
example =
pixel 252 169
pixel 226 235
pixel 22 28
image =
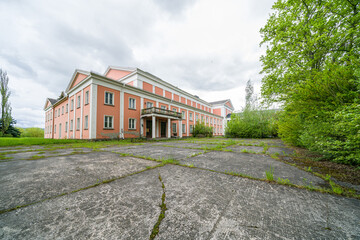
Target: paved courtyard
pixel 189 189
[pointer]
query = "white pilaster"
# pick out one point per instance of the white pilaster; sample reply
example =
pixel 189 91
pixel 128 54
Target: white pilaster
pixel 68 113
pixel 180 128
pixel 169 128
pixel 93 111
pixel 74 121
pixel 121 130
pixel 153 126
pixel 81 112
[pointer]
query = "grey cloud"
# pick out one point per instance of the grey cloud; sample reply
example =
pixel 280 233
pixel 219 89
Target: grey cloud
pixel 174 6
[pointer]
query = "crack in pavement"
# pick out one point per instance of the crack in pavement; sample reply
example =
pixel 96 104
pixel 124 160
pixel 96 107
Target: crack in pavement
pixel 163 208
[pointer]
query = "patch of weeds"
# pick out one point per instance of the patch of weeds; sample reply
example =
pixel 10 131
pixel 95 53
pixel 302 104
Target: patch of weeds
pixel 336 188
pixel 34 157
pixel 275 156
pixel 190 165
pixel 327 177
pixel 195 154
pixel 283 181
pixel 3 157
pixel 308 185
pixel 270 174
pixel 309 169
pixel 163 209
pixel 237 174
pixel 170 161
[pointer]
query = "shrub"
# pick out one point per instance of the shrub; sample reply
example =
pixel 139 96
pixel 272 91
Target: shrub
pixel 201 130
pixel 32 132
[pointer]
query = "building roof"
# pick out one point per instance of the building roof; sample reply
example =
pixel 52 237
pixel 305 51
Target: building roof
pixel 52 101
pixel 219 102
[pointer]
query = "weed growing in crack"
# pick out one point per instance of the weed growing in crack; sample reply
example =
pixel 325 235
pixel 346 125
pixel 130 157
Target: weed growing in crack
pixel 170 161
pixel 308 185
pixel 336 188
pixel 283 181
pixel 275 156
pixel 327 177
pixel 270 174
pixel 163 208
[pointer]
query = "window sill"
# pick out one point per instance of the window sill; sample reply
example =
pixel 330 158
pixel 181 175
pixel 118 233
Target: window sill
pixel 108 128
pixel 110 105
pixel 132 129
pixel 132 109
pixel 86 128
pixel 86 104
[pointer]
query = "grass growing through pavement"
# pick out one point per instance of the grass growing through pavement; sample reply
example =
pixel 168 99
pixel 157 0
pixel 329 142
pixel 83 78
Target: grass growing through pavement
pixel 270 174
pixel 163 208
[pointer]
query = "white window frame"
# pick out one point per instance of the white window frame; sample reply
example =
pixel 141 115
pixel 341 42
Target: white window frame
pixel 174 110
pixel 132 123
pixel 67 108
pixel 78 101
pixel 66 126
pixel 190 116
pixel 163 107
pixel 183 128
pixel 132 103
pixel 197 117
pixel 72 105
pixel 112 98
pixel 55 129
pixel 149 104
pixel 110 123
pixel 183 115
pixel 59 112
pixel 174 129
pixel 77 124
pixel 86 120
pixel 71 124
pixel 62 110
pixel 191 129
pixel 86 97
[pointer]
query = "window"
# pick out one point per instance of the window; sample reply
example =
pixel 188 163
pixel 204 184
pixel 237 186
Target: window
pixel 86 125
pixel 71 125
pixel 163 107
pixel 149 105
pixel 72 105
pixel 183 115
pixel 183 128
pixel 174 128
pixel 78 124
pixel 132 123
pixel 86 97
pixel 174 109
pixel 108 122
pixel 66 126
pixel 55 129
pixel 211 120
pixel 55 113
pixel 191 128
pixel 197 117
pixel 109 98
pixel 67 108
pixel 202 118
pixel 207 119
pixel 62 110
pixel 78 102
pixel 59 112
pixel 190 116
pixel 132 103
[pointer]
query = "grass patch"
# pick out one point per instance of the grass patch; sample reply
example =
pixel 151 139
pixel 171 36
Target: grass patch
pixel 163 208
pixel 283 181
pixel 270 174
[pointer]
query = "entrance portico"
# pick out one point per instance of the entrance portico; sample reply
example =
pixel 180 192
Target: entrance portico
pixel 158 122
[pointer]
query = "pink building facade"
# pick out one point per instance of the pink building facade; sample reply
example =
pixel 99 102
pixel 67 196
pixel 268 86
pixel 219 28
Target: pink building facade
pixel 128 103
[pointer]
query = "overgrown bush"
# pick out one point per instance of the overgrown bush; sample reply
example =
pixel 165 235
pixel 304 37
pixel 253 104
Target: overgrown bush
pixel 201 130
pixel 253 124
pixel 32 132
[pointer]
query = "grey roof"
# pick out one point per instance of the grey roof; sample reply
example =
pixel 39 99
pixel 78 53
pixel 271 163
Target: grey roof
pixel 52 101
pixel 219 102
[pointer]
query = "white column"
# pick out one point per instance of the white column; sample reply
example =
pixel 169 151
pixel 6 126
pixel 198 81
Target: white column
pixel 93 112
pixel 74 122
pixel 157 127
pixel 121 130
pixel 81 112
pixel 180 128
pixel 153 126
pixel 68 113
pixel 169 128
pixel 187 123
pixel 141 119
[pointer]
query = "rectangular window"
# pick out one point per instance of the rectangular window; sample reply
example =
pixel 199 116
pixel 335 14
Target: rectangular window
pixel 67 108
pixel 183 128
pixel 62 110
pixel 108 122
pixel 190 116
pixel 78 124
pixel 211 120
pixel 197 117
pixel 174 109
pixel 109 98
pixel 71 125
pixel 78 102
pixel 132 103
pixel 72 105
pixel 86 125
pixel 202 118
pixel 207 120
pixel 183 115
pixel 59 112
pixel 86 97
pixel 55 129
pixel 174 128
pixel 163 107
pixel 132 123
pixel 66 126
pixel 55 113
pixel 191 129
pixel 149 105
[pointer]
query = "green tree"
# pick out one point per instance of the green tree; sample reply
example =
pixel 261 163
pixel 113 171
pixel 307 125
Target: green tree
pixel 5 104
pixel 311 66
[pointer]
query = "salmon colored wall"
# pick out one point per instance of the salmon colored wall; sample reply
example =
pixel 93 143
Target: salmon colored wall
pixel 86 112
pixel 168 94
pixel 217 111
pixel 183 100
pixel 147 87
pixel 60 120
pixel 194 104
pixel 188 102
pixel 163 104
pixel 130 83
pixel 198 105
pixel 103 110
pixel 176 97
pixel 228 104
pixel 158 91
pixel 131 113
pixel 78 78
pixel 50 118
pixel 77 114
pixel 116 74
pixel 47 104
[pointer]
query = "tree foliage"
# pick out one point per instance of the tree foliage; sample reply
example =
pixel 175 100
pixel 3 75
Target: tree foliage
pixel 32 132
pixel 5 104
pixel 312 67
pixel 202 130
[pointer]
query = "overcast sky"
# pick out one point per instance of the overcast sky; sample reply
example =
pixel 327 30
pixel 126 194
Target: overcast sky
pixel 209 48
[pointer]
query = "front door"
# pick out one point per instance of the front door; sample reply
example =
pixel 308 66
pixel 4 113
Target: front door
pixel 149 128
pixel 163 129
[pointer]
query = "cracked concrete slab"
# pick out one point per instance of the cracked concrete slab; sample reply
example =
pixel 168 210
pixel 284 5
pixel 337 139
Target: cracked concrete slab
pixel 253 165
pixel 237 148
pixel 45 153
pixel 156 152
pixel 207 205
pixel 124 209
pixel 280 150
pixel 24 182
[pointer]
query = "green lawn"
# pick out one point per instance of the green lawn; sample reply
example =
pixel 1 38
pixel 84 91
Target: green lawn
pixel 8 141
